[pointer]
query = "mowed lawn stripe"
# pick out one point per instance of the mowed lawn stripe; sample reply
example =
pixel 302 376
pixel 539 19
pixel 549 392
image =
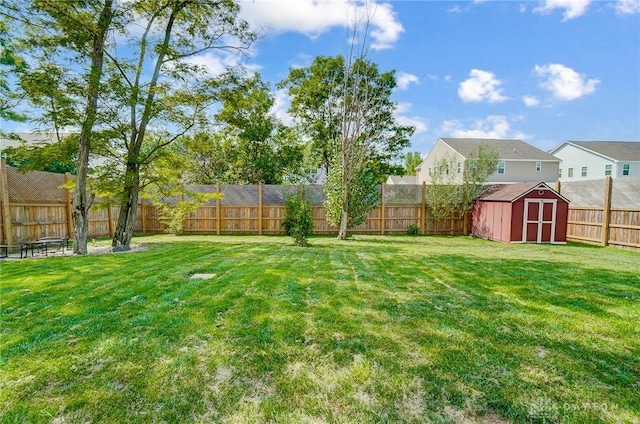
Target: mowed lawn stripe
pixel 374 329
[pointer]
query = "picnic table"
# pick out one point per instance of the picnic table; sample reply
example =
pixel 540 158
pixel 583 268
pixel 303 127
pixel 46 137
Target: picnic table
pixel 42 245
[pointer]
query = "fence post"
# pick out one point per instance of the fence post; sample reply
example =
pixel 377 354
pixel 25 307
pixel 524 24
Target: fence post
pixel 606 213
pixel 67 178
pixel 218 213
pixel 4 197
pixel 260 208
pixel 110 221
pixel 423 218
pixel 143 210
pixel 558 186
pixel 383 211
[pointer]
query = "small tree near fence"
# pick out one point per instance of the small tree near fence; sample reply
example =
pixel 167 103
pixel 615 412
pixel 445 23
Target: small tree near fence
pixel 298 219
pixel 448 193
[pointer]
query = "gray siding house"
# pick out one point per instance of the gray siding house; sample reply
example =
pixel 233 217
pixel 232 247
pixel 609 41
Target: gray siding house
pixel 519 162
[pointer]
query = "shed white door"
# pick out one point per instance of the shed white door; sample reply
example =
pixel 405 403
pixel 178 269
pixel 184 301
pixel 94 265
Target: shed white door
pixel 539 224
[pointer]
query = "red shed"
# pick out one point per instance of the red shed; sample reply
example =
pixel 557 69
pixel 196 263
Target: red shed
pixel 521 213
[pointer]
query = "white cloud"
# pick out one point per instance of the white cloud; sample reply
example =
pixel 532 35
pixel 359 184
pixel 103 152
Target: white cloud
pixel 405 79
pixel 494 126
pixel 313 17
pixel 572 8
pixel 530 101
pixel 565 83
pixel 447 78
pixel 628 6
pixel 482 85
pixel 281 105
pixel 402 119
pixel 215 63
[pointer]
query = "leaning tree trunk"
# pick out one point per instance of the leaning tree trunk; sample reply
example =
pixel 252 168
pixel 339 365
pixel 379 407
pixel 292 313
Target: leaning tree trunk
pixel 81 200
pixel 128 208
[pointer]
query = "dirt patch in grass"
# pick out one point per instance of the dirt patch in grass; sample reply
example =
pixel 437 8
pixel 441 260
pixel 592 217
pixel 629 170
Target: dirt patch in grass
pixel 105 250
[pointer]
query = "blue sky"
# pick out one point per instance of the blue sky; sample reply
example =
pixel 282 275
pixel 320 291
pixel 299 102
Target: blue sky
pixel 542 71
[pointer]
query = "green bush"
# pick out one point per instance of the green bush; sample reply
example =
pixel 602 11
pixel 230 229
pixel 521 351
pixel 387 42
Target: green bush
pixel 413 230
pixel 298 219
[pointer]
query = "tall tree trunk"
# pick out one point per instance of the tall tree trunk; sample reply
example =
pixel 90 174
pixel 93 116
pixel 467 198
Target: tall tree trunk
pixel 128 208
pixel 129 200
pixel 81 199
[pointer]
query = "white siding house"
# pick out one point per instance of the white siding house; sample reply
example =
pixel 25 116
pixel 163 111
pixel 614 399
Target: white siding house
pixel 519 162
pixel 592 160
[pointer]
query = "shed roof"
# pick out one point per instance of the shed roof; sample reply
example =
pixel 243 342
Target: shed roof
pixel 509 149
pixel 616 150
pixel 512 192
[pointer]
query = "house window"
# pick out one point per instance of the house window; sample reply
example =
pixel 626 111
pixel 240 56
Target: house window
pixel 570 173
pixel 538 166
pixel 625 169
pixel 429 171
pixel 584 171
pixel 607 170
pixel 501 167
pixel 559 172
pixel 473 165
pixel 459 167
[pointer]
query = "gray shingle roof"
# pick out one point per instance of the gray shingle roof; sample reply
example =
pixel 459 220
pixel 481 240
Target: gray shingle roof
pixel 509 149
pixel 616 150
pixel 510 192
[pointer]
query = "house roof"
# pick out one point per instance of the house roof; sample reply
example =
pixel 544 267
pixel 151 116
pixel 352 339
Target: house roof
pixel 31 139
pixel 402 179
pixel 508 149
pixel 512 192
pixel 616 150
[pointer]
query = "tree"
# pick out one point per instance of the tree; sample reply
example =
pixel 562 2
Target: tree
pixel 450 192
pixel 57 157
pixel 319 94
pixel 258 148
pixel 72 32
pixel 411 161
pixel 157 84
pixel 10 63
pixel 167 192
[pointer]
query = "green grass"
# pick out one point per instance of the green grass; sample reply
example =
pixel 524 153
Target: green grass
pixel 375 329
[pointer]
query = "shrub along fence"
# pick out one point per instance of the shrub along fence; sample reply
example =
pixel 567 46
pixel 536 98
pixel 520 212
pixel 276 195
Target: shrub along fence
pixel 34 205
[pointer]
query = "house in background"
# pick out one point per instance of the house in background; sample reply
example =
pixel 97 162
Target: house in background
pixel 591 160
pixel 519 162
pixel 402 179
pixel 29 139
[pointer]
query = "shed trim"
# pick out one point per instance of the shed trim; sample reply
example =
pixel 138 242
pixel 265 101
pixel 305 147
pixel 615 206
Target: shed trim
pixel 537 187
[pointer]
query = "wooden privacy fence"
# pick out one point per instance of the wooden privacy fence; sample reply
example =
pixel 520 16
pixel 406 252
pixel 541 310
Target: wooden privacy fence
pixel 605 224
pixel 260 209
pixel 34 205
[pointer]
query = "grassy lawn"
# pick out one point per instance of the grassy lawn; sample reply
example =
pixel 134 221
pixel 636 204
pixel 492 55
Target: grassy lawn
pixel 375 329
